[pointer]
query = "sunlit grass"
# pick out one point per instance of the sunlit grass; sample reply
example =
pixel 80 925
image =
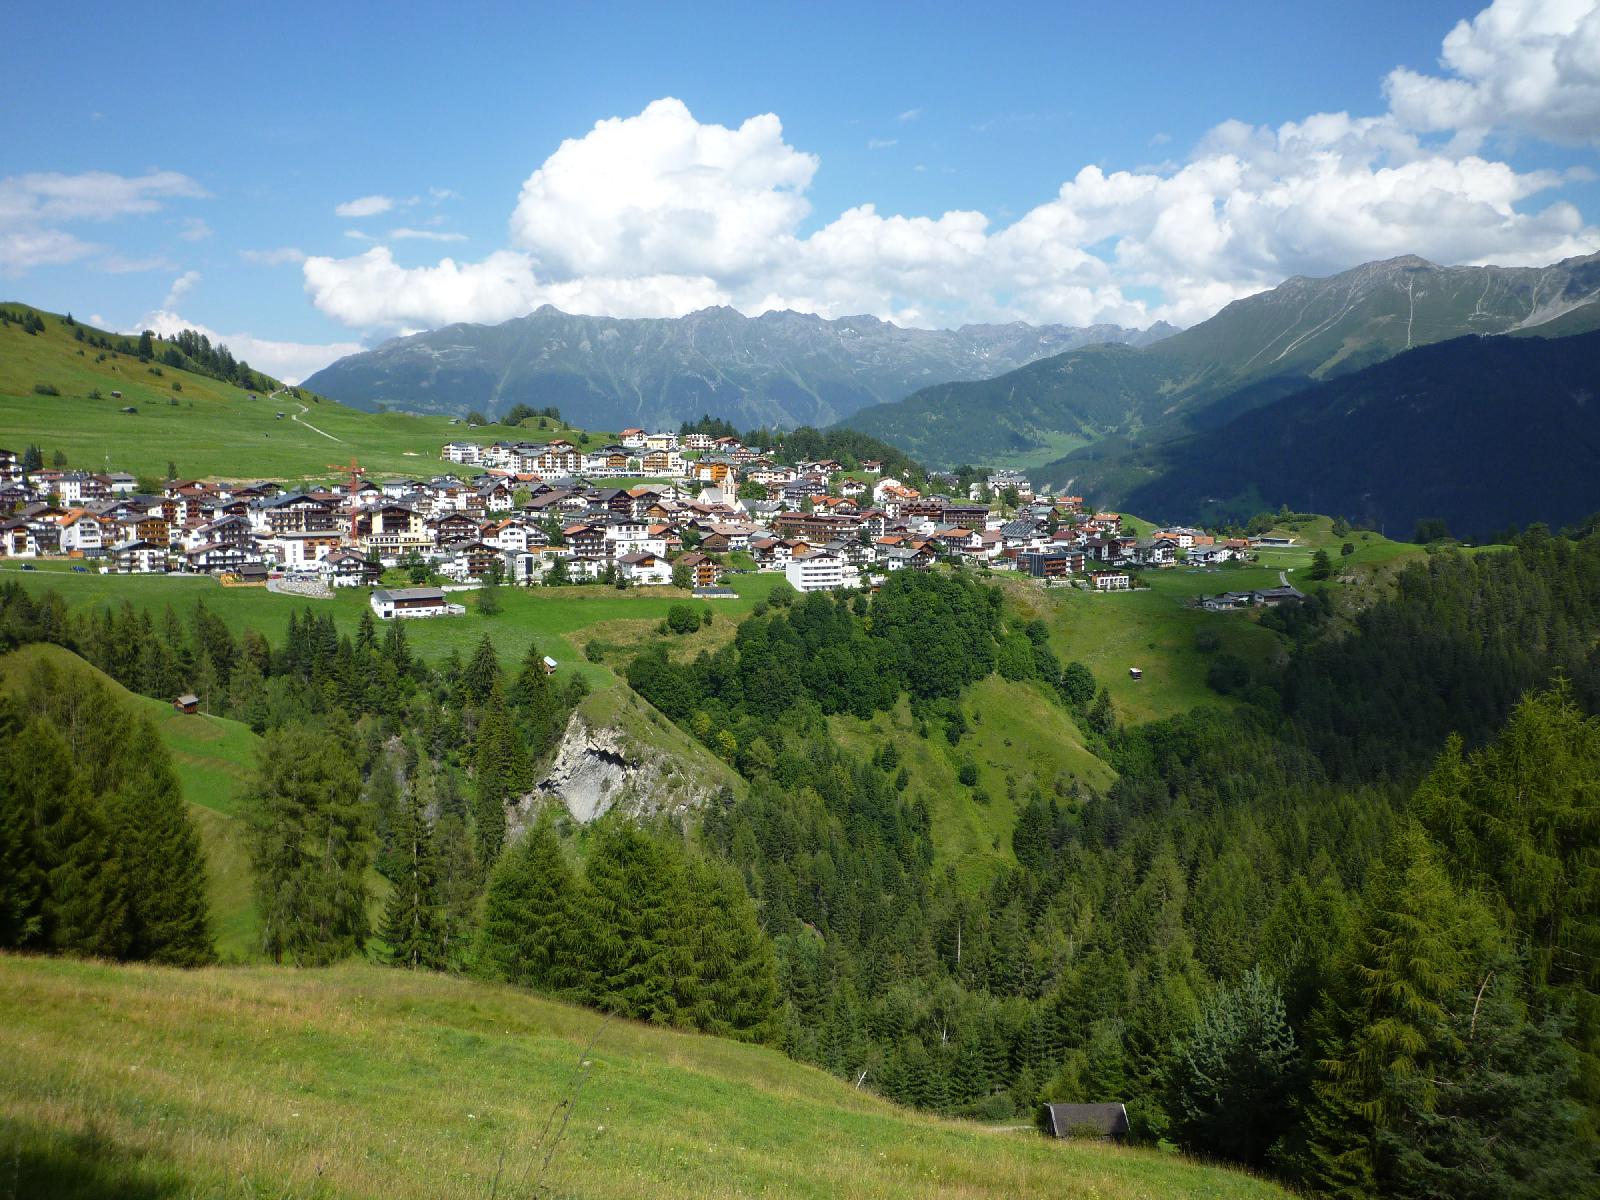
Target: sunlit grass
pixel 365 1082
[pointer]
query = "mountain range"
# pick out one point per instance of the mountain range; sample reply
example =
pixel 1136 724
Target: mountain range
pixel 1256 350
pixel 781 369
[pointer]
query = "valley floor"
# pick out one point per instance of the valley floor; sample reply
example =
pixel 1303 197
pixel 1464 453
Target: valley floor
pixel 363 1081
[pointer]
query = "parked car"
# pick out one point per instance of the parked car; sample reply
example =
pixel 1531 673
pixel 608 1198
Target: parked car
pixel 80 570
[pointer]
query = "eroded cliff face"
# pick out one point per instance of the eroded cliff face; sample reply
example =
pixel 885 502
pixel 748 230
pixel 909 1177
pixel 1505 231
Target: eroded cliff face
pixel 618 764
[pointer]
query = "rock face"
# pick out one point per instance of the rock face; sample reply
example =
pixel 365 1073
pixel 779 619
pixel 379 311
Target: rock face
pixel 601 767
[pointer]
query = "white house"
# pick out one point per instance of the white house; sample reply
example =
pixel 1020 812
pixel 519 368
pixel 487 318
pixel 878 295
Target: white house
pixel 645 570
pixel 819 571
pixel 81 533
pixel 392 603
pixel 140 558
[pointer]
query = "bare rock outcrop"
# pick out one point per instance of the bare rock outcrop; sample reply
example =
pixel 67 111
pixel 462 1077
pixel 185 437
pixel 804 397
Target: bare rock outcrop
pixel 624 764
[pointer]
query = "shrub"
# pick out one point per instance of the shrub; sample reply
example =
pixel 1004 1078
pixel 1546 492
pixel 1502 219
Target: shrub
pixel 1228 674
pixel 46 389
pixel 682 618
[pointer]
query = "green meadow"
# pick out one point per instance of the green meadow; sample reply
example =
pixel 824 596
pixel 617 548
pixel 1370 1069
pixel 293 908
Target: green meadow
pixel 554 619
pixel 361 1081
pixel 1154 629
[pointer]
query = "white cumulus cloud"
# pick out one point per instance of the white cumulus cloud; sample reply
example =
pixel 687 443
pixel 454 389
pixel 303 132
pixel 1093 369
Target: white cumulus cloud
pixel 658 214
pixel 660 193
pixel 1524 66
pixel 364 206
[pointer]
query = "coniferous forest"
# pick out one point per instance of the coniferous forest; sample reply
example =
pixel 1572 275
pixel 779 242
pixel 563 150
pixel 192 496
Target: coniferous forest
pixel 1347 934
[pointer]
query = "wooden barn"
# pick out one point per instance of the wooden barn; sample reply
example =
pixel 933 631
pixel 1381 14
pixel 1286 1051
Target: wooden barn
pixel 187 703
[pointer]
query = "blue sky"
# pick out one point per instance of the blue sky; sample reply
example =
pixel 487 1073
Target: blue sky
pixel 189 167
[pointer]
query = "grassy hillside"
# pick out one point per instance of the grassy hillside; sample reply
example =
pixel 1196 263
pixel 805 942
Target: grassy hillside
pixel 365 1082
pixel 560 620
pixel 1154 630
pixel 214 430
pixel 1019 740
pixel 213 757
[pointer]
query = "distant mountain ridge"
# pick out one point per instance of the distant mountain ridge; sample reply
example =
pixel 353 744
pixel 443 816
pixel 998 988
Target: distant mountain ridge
pixel 1254 351
pixel 781 368
pixel 1480 431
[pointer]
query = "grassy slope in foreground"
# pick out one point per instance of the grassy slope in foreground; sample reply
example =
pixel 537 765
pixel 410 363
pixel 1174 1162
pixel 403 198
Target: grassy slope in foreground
pixel 366 1082
pixel 214 431
pixel 213 758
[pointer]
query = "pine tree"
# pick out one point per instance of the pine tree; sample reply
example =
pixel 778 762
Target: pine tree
pixel 734 971
pixel 1517 821
pixel 413 919
pixel 501 772
pixel 1419 946
pixel 633 885
pixel 534 696
pixel 84 908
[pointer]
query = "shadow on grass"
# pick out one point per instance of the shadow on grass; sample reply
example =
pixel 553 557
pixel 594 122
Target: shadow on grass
pixel 37 1162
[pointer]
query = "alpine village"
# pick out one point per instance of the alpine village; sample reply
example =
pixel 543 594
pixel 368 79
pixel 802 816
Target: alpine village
pixel 621 728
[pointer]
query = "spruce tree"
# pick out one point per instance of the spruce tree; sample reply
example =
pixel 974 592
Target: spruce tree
pixel 414 919
pixel 309 847
pixel 633 884
pixel 84 908
pixel 163 866
pixel 1233 1075
pixel 535 927
pixel 1420 945
pixel 501 772
pixel 733 960
pixel 535 697
pixel 481 673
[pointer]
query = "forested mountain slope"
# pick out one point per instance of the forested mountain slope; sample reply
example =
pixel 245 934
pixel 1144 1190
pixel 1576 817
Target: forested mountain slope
pixel 1479 432
pixel 1252 352
pixel 1194 937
